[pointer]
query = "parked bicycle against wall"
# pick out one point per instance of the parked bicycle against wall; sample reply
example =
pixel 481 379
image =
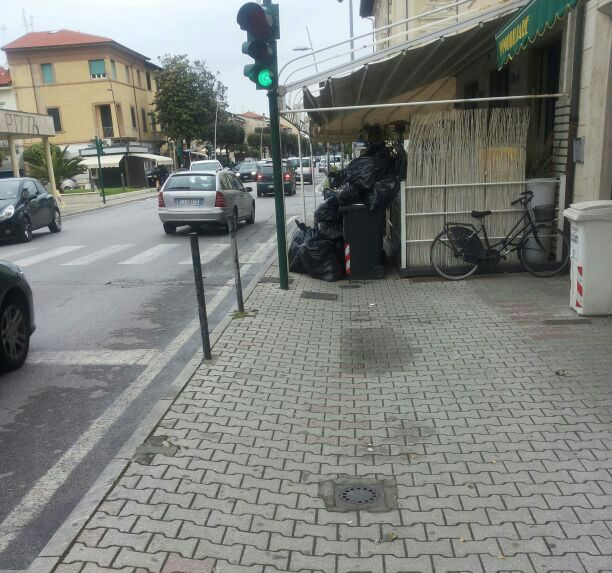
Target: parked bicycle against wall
pixel 458 251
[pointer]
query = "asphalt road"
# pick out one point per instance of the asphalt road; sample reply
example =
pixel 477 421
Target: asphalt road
pixel 116 322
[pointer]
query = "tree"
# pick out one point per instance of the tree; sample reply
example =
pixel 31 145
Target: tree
pixel 230 136
pixel 63 167
pixel 256 138
pixel 186 98
pixel 35 154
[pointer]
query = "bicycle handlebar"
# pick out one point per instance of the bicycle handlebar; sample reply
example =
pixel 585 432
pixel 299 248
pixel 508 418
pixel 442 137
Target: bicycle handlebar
pixel 525 197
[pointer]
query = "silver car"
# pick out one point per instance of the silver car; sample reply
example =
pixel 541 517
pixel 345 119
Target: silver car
pixel 201 197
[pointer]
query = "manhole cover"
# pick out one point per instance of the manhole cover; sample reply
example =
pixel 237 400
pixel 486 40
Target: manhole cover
pixel 358 494
pixel 319 295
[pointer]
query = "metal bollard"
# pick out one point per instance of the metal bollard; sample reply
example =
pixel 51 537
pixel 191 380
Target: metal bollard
pixel 232 231
pixel 199 284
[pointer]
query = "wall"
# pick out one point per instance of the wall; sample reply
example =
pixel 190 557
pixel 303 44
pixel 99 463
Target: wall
pixel 77 94
pixel 594 176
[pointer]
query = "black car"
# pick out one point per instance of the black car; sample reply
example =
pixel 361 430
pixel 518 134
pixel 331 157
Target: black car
pixel 265 181
pixel 16 316
pixel 247 172
pixel 25 205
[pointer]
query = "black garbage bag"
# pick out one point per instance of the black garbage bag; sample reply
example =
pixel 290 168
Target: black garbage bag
pixel 336 178
pixel 383 193
pixel 349 195
pixel 322 259
pixel 327 212
pixel 330 230
pixel 303 234
pixel 365 171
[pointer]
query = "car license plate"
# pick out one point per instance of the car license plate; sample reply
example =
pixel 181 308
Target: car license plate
pixel 271 186
pixel 189 202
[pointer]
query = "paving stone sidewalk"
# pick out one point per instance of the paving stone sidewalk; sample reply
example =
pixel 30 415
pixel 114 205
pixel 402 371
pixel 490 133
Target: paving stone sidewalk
pixel 485 404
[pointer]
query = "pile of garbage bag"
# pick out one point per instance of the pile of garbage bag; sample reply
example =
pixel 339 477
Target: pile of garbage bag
pixel 373 180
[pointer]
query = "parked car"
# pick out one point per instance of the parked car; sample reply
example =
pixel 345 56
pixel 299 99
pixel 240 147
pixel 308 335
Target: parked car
pixel 199 198
pixel 206 165
pixel 335 162
pixel 265 181
pixel 25 205
pixel 16 316
pixel 304 170
pixel 248 171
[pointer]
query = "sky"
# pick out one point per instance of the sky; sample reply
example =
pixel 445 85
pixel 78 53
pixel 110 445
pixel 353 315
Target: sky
pixel 202 29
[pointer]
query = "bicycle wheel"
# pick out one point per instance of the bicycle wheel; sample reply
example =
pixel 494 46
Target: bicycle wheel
pixel 539 250
pixel 447 260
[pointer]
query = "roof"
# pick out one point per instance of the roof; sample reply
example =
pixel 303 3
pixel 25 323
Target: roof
pixel 66 38
pixel 54 38
pixel 5 77
pixel 253 115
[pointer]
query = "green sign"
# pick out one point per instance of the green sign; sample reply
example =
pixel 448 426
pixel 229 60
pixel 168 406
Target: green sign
pixel 527 25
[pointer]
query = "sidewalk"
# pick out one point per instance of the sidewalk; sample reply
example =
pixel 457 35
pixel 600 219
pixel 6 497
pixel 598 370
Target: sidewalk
pixel 74 203
pixel 477 414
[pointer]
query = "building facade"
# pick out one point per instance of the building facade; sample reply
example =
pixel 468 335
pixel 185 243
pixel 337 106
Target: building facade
pixel 90 85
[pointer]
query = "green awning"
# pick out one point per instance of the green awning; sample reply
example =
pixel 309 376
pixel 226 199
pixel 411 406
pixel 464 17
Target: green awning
pixel 529 23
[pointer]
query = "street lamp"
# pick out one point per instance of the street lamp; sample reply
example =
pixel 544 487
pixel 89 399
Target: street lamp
pixel 351 28
pixel 305 49
pixel 216 121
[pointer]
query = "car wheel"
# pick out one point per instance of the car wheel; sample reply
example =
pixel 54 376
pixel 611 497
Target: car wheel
pixel 169 228
pixel 14 334
pixel 56 223
pixel 26 229
pixel 251 218
pixel 259 193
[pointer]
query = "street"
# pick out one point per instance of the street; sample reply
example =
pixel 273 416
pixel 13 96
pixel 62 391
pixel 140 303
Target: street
pixel 116 323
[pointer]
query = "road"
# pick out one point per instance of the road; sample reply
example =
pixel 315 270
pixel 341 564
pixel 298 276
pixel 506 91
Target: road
pixel 116 323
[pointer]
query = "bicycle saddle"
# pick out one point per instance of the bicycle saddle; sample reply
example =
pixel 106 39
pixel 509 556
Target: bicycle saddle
pixel 480 214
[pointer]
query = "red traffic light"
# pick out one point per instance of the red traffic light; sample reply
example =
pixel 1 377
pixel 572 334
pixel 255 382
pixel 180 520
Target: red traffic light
pixel 254 19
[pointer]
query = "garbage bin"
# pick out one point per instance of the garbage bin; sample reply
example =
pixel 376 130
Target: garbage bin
pixel 591 257
pixel 363 242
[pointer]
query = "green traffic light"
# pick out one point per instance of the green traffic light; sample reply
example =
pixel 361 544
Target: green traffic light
pixel 264 78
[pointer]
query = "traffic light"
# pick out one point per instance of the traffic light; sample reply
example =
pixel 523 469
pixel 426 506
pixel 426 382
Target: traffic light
pixel 261 24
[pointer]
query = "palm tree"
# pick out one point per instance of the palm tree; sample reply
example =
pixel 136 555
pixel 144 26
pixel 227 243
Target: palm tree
pixel 63 167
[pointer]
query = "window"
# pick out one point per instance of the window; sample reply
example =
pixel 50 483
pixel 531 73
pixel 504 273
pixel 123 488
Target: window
pixel 30 188
pixel 143 115
pixel 148 77
pixel 153 122
pixel 55 114
pixel 40 190
pixel 113 69
pixel 133 114
pixel 97 69
pixel 127 74
pixel 139 78
pixel 46 71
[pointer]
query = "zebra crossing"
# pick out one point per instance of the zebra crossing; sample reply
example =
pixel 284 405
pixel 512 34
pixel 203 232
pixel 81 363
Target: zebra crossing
pixel 127 254
pixel 131 254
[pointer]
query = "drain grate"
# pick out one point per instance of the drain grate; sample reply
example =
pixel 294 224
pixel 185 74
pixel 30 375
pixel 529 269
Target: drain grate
pixel 352 494
pixel 358 494
pixel 319 295
pixel 566 321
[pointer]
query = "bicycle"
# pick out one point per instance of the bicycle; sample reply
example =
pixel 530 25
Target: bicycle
pixel 543 250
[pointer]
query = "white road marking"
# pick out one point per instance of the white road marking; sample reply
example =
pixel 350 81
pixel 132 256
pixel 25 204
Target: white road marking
pixel 45 488
pixel 208 253
pixel 137 356
pixel 150 254
pixel 88 259
pixel 46 255
pixel 6 254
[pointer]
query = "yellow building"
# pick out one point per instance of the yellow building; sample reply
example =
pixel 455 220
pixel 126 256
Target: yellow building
pixel 90 85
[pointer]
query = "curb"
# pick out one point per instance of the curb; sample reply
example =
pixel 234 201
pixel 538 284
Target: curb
pixel 61 541
pixel 108 205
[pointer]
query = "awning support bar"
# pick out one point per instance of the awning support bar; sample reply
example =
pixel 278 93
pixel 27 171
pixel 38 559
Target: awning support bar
pixel 422 103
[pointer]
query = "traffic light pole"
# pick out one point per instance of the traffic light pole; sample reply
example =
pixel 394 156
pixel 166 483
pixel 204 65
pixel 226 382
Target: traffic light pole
pixel 279 200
